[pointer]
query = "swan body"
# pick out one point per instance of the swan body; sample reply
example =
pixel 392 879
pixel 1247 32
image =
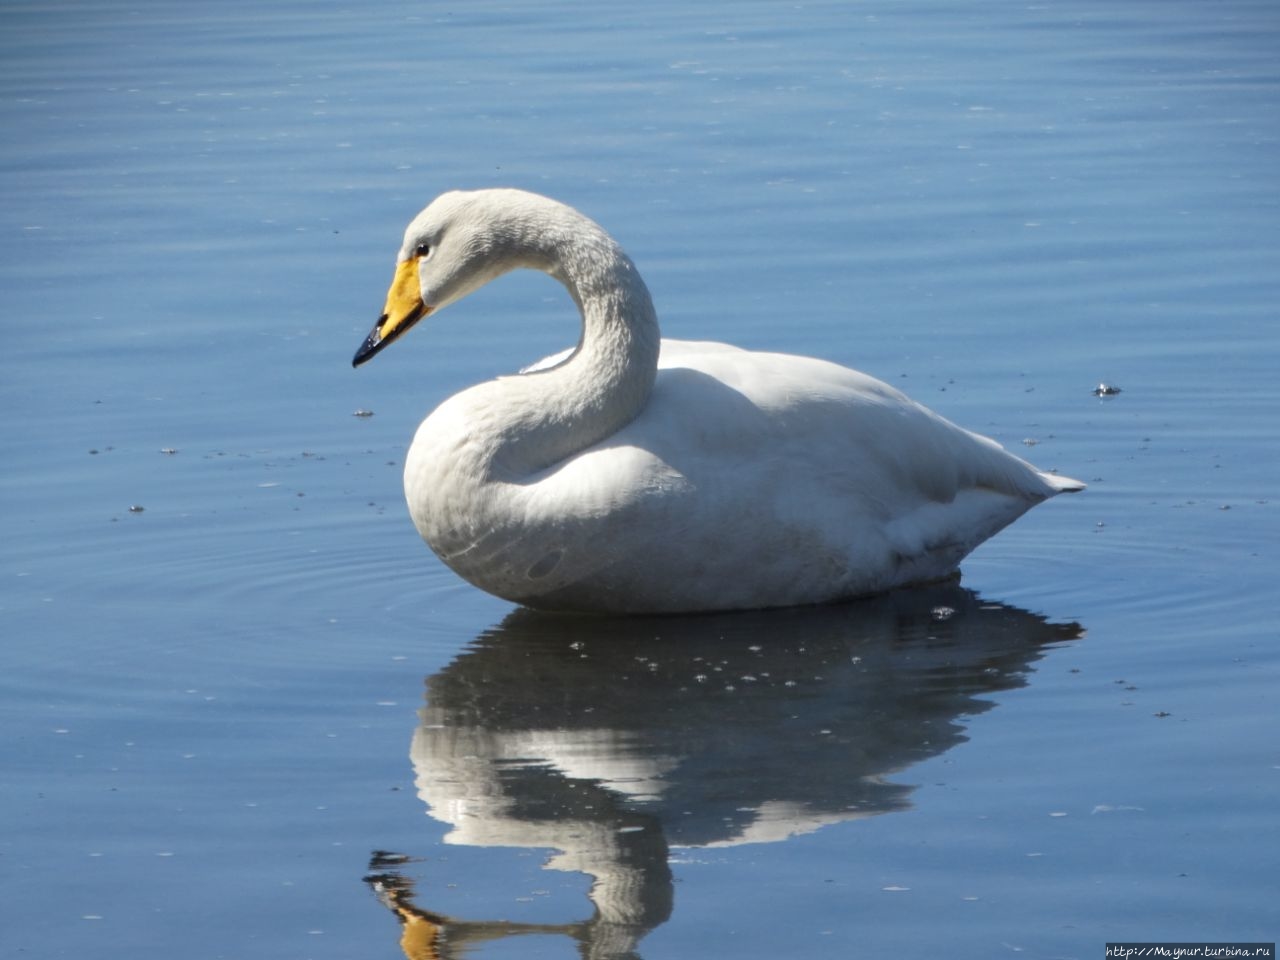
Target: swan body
pixel 642 475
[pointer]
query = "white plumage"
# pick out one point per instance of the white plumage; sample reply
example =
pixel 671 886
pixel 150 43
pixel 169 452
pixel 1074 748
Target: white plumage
pixel 636 474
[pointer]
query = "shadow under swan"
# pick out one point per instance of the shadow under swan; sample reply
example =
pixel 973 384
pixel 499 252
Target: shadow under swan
pixel 613 740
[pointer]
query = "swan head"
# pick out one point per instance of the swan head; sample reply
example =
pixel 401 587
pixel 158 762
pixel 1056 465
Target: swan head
pixel 460 242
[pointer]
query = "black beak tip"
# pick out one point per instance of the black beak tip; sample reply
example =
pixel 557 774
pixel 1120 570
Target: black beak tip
pixel 367 350
pixel 372 343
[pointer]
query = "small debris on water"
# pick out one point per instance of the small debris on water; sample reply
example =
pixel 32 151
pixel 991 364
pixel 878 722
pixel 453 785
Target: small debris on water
pixel 362 412
pixel 1106 390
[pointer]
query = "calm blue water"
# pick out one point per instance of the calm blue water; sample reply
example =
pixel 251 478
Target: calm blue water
pixel 231 673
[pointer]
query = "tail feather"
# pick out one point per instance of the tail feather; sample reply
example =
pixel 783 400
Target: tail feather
pixel 1062 484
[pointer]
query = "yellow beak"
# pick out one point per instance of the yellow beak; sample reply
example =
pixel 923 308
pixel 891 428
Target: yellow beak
pixel 404 308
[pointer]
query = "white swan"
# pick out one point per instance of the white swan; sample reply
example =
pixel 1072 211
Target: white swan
pixel 635 474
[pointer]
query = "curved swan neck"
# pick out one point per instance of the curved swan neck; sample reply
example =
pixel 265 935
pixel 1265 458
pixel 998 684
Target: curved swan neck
pixel 550 414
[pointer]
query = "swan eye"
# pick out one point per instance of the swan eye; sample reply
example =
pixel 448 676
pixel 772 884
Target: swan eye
pixel 422 249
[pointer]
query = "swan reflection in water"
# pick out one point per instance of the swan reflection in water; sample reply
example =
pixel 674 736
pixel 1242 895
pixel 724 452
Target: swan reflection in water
pixel 611 741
